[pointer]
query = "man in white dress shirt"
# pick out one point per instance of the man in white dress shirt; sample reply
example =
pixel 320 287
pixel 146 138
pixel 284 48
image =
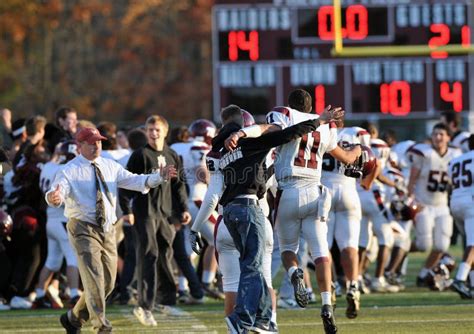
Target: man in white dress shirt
pixel 87 186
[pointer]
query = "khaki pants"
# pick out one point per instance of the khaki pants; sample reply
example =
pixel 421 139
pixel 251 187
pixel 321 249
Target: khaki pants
pixel 97 261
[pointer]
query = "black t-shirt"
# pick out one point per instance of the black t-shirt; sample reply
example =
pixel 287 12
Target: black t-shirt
pixel 244 169
pixel 169 198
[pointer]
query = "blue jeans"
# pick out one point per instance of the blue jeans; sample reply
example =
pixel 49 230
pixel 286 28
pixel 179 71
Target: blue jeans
pixel 246 225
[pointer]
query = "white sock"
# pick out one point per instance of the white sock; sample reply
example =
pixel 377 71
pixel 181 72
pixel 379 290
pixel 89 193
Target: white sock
pixel 292 270
pixel 463 271
pixel 182 283
pixel 39 293
pixel 352 283
pixel 208 276
pixel 404 268
pixel 326 298
pixel 274 317
pixel 423 272
pixel 309 290
pixel 74 293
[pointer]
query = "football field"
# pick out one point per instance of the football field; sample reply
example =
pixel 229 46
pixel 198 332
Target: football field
pixel 415 310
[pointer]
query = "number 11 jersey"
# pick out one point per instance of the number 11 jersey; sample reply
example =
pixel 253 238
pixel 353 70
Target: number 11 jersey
pixel 298 163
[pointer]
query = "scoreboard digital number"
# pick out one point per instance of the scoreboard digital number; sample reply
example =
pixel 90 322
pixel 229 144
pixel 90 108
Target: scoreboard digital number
pixel 262 50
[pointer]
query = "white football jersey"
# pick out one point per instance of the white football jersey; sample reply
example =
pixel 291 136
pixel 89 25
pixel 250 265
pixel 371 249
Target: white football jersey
pixel 396 176
pixel 332 172
pixel 299 162
pixel 460 140
pixel 381 151
pixel 432 183
pixel 398 154
pixel 461 174
pixel 47 176
pixel 193 155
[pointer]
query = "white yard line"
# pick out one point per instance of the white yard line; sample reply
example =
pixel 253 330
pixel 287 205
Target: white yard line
pixel 191 329
pixel 184 321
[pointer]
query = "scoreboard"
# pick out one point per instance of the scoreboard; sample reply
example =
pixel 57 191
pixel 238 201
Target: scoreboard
pixel 262 50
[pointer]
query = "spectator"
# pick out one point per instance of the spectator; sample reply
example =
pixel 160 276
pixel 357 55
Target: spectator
pixel 5 128
pixel 154 233
pixel 35 130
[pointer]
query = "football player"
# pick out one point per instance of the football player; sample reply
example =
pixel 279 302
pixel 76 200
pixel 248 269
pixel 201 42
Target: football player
pixel 227 253
pixel 59 247
pixel 459 138
pixel 193 154
pixel 429 184
pixel 461 174
pixel 345 215
pixel 375 213
pixel 298 172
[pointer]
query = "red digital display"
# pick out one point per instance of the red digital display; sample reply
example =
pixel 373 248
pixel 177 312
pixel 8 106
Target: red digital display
pixel 241 41
pixel 319 99
pixel 263 50
pixel 356 23
pixel 452 94
pixel 395 98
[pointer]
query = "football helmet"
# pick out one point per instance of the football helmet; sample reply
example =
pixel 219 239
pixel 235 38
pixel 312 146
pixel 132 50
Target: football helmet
pixel 404 208
pixel 68 150
pixel 248 118
pixel 366 163
pixel 202 128
pixel 6 224
pixel 438 278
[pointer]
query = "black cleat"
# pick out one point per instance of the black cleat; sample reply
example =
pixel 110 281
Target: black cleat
pixel 461 288
pixel 301 294
pixel 421 282
pixel 41 303
pixel 70 328
pixel 329 322
pixel 353 302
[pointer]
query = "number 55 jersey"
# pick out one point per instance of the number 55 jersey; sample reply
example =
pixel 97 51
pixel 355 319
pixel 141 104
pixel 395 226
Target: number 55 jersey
pixel 431 186
pixel 298 163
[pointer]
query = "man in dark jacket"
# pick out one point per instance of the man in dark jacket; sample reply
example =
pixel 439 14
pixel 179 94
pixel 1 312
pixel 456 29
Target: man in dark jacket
pixel 244 173
pixel 153 213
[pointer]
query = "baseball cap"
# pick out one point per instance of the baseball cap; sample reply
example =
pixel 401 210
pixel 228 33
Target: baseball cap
pixel 89 135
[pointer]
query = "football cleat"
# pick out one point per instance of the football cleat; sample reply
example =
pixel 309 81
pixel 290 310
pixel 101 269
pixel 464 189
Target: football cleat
pixel 327 315
pixel 381 285
pixel 301 295
pixel 461 288
pixel 353 302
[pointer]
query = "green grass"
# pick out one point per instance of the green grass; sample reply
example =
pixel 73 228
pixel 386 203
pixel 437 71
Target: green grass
pixel 414 310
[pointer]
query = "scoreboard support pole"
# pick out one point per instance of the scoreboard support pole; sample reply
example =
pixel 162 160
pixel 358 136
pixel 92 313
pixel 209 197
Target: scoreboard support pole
pixel 375 51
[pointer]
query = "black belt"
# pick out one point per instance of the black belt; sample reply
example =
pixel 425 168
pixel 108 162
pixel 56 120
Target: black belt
pixel 244 201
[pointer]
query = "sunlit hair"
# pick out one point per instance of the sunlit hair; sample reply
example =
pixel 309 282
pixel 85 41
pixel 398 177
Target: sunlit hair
pixel 157 119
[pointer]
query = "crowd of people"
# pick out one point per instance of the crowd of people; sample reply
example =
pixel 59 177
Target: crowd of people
pixel 200 212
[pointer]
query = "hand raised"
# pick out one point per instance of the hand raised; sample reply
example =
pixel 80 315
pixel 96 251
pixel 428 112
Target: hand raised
pixel 54 197
pixel 335 114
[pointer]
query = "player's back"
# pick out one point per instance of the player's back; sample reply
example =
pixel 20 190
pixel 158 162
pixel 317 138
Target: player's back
pixel 48 173
pixel 298 163
pixel 461 172
pixel 432 184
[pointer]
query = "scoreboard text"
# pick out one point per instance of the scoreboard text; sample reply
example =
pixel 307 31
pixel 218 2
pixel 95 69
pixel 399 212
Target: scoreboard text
pixel 263 50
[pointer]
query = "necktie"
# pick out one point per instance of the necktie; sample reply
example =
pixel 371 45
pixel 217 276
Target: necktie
pixel 99 206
